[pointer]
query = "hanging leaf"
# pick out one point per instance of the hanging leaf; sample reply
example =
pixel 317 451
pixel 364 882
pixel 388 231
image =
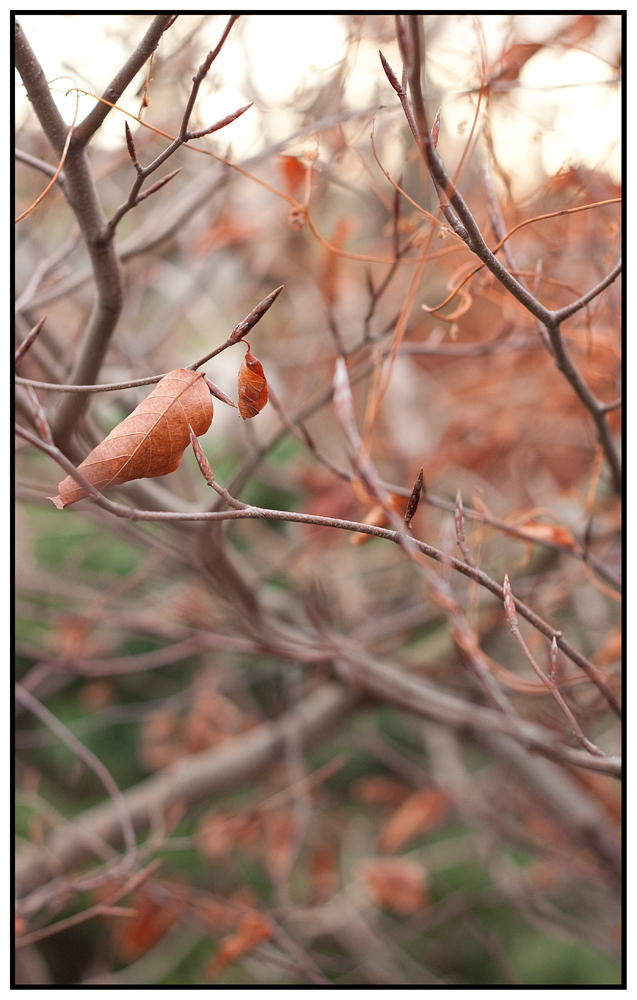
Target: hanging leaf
pixel 253 387
pixel 150 441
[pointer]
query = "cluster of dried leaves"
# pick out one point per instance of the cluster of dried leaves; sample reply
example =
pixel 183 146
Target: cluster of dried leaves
pixel 330 763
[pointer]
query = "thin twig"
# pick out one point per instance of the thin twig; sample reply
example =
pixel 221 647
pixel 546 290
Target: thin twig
pixel 242 328
pixel 22 349
pixel 509 607
pixel 237 334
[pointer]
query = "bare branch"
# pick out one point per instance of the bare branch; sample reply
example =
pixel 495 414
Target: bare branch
pixel 87 128
pixel 191 780
pixel 509 607
pixel 561 314
pixel 426 700
pixel 242 329
pixel 201 74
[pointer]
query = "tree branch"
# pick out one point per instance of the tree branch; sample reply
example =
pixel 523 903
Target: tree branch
pixel 197 777
pixel 89 126
pixel 120 510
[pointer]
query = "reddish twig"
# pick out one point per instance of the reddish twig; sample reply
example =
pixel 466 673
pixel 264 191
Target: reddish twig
pixel 512 618
pixel 22 349
pixel 459 519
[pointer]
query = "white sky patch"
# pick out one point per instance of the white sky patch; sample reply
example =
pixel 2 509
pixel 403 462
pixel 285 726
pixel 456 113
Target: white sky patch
pixel 291 50
pixel 271 57
pixel 587 110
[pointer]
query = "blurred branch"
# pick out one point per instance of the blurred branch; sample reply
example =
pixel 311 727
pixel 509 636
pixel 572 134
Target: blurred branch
pixel 418 697
pixel 37 164
pixel 83 753
pixel 475 241
pixel 193 779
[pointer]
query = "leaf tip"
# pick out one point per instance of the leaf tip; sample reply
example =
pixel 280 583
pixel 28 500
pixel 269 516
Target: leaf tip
pixel 57 501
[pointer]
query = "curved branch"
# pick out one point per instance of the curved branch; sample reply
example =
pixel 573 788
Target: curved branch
pixel 561 314
pixel 89 758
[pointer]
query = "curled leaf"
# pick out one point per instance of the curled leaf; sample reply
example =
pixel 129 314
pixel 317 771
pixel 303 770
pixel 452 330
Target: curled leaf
pixel 253 386
pixel 150 441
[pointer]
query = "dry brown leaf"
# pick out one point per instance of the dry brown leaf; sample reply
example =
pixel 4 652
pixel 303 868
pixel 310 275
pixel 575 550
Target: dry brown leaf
pixel 150 441
pixel 253 930
pixel 293 171
pixel 379 790
pixel 421 812
pixel 253 386
pixel 396 884
pixel 134 936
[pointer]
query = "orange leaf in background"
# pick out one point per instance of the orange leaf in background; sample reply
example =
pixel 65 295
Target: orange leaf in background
pixel 362 493
pixel 332 264
pixel 583 27
pixel 611 648
pixel 150 441
pixel 557 533
pixel 216 913
pixel 220 833
pixel 293 172
pixel 605 789
pixel 377 517
pixel 253 930
pixel 137 935
pixel 512 61
pixel 397 884
pixel 421 812
pixel 224 231
pixel 378 790
pixel 253 386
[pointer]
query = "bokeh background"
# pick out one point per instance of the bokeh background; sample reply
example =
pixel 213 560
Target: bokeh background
pixel 452 870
